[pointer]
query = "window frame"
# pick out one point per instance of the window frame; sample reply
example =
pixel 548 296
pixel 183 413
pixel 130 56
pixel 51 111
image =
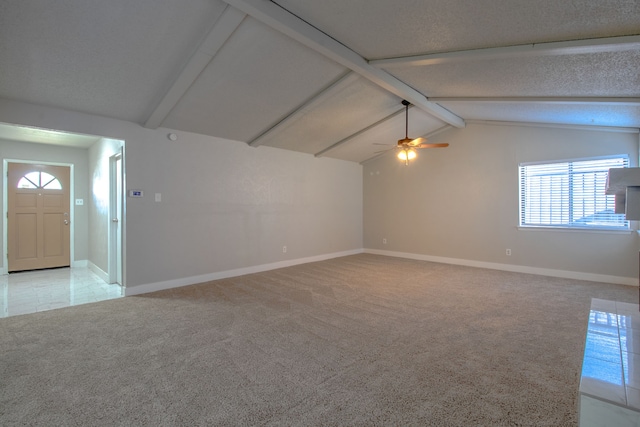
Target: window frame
pixel 626 228
pixel 57 185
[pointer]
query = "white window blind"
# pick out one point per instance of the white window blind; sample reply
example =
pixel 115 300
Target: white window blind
pixel 570 194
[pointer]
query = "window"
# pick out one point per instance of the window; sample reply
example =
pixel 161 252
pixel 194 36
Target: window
pixel 570 194
pixel 39 180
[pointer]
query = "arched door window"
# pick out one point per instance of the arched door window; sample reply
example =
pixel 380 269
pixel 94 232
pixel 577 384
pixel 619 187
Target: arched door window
pixel 38 179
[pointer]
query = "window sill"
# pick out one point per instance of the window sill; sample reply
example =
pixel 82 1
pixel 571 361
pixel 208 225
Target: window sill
pixel 576 229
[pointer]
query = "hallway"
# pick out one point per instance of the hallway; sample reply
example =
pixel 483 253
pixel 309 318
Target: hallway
pixel 33 291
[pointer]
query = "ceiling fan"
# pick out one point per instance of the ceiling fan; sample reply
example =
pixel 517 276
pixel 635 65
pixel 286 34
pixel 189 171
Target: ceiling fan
pixel 406 145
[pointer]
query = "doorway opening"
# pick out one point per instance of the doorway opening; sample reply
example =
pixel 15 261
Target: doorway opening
pixel 96 181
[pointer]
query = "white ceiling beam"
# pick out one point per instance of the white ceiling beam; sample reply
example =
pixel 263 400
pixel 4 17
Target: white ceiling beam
pixel 303 109
pixel 360 132
pixel 574 47
pixel 281 20
pixel 544 100
pixel 613 129
pixel 229 20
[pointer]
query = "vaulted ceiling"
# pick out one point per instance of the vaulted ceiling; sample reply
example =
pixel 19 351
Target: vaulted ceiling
pixel 325 77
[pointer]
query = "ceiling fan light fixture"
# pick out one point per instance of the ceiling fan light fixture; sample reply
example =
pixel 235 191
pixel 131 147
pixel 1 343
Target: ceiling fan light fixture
pixel 407 154
pixel 406 146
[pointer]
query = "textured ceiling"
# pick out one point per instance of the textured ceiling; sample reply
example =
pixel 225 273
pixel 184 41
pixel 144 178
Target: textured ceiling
pixel 343 114
pixel 111 58
pixel 325 78
pixel 584 75
pixel 388 29
pixel 258 76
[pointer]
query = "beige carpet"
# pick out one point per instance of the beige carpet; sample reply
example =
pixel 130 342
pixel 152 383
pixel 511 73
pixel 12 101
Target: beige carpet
pixel 360 341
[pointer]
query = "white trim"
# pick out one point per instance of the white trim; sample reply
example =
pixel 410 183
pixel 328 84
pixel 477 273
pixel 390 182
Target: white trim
pixel 114 261
pixel 562 100
pixel 280 19
pixel 576 229
pixel 186 281
pixel 576 159
pixel 571 47
pixel 336 87
pixel 218 35
pixel 98 271
pixel 555 126
pixel 391 113
pixel 617 280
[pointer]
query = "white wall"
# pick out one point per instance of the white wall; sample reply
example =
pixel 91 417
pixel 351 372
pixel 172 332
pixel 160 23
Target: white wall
pixel 460 204
pixel 78 157
pixel 99 171
pixel 225 206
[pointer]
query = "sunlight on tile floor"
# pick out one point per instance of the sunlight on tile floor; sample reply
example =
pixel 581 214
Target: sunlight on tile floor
pixel 32 291
pixel 610 383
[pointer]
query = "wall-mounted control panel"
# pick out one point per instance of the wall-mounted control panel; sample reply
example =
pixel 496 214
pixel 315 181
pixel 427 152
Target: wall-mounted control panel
pixel 136 193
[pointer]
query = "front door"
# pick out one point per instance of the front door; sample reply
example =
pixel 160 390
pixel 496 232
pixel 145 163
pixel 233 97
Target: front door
pixel 38 221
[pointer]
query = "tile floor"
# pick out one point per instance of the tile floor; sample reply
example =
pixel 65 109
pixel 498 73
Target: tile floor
pixel 32 291
pixel 610 382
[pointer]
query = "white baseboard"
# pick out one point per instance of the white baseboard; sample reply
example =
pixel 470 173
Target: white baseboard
pixel 186 281
pixel 618 280
pixel 98 271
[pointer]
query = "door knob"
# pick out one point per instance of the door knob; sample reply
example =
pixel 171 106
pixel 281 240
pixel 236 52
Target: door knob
pixel 66 222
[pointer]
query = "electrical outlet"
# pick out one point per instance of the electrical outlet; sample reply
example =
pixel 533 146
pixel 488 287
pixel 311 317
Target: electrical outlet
pixel 284 249
pixel 384 241
pixel 508 252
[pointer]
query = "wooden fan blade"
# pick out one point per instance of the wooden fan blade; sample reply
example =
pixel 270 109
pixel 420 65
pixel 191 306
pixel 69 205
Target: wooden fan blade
pixel 432 145
pixel 416 142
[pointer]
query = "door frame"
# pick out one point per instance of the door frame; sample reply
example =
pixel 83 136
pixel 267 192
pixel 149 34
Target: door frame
pixel 115 245
pixel 5 208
